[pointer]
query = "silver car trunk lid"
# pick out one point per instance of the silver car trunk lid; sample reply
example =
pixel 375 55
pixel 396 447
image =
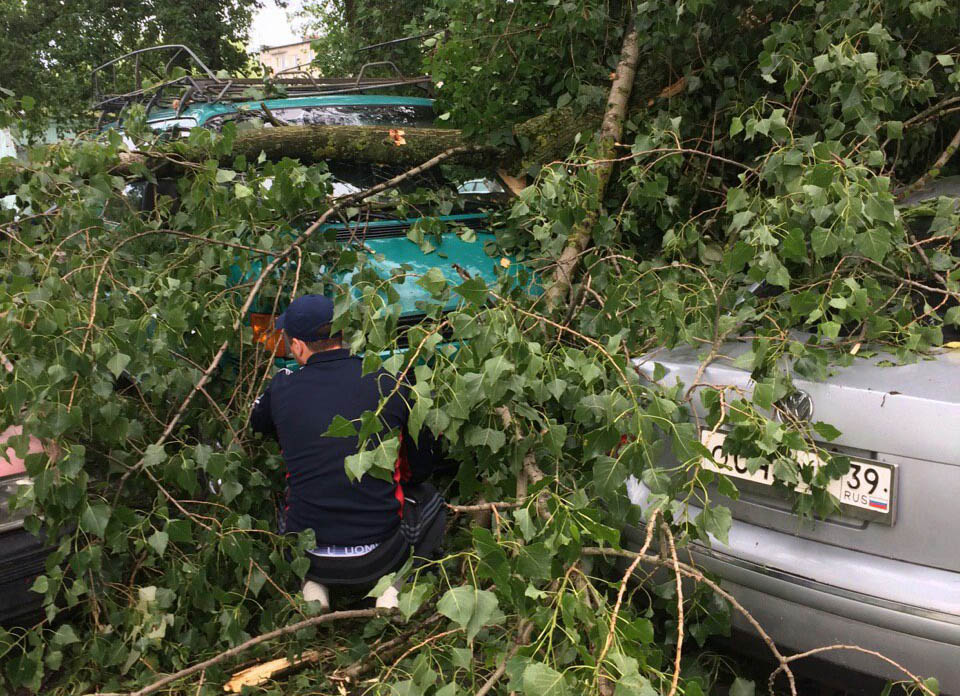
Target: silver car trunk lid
pixel 906 415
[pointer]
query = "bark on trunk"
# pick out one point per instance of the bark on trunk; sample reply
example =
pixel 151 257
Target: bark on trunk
pixel 611 130
pixel 542 139
pixel 311 144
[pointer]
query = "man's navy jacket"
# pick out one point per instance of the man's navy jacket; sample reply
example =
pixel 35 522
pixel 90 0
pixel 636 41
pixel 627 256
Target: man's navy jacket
pixel 297 408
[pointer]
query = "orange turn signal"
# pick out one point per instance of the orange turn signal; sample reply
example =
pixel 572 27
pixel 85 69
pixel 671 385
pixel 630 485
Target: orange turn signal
pixel 265 333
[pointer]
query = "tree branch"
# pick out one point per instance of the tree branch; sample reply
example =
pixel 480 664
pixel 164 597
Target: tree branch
pixel 246 645
pixel 611 131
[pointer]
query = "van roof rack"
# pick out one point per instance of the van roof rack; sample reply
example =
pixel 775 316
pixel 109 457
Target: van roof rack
pixel 182 79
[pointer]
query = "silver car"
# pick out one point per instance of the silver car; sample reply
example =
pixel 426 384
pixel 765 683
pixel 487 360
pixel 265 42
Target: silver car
pixel 885 573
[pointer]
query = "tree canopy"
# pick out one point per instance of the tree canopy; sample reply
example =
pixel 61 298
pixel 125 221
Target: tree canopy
pixel 747 189
pixel 50 47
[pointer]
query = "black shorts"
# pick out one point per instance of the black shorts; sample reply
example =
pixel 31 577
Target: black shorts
pixel 420 533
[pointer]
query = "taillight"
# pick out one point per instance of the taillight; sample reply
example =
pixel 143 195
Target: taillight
pixel 265 333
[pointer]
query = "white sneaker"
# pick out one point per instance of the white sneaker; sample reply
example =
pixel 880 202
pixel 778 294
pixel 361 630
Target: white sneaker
pixel 315 592
pixel 389 599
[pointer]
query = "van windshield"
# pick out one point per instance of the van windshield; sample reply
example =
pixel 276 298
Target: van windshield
pixel 459 181
pixel 400 115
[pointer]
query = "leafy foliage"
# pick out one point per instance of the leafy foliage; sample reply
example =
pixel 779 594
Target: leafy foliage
pixel 343 27
pixel 758 199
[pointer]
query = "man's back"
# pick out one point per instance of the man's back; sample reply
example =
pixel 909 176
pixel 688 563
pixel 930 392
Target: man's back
pixel 298 408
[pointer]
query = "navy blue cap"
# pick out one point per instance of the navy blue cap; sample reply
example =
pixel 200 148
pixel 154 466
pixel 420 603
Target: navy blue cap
pixel 307 318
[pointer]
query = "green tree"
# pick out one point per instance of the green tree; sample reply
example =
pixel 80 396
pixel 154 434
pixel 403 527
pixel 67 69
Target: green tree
pixel 50 47
pixel 343 27
pixel 763 143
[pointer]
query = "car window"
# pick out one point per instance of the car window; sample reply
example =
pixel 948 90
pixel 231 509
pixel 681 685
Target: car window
pixel 481 187
pixel 454 181
pixel 412 116
pixel 179 126
pixel 395 115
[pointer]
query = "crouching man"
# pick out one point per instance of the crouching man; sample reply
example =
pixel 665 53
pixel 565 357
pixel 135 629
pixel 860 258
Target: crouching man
pixel 367 528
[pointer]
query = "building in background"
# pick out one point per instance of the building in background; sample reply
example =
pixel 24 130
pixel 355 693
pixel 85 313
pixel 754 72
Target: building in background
pixel 279 58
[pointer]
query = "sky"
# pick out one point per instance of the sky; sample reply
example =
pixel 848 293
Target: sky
pixel 271 27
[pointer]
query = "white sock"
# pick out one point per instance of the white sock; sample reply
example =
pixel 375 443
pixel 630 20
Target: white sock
pixel 389 598
pixel 315 592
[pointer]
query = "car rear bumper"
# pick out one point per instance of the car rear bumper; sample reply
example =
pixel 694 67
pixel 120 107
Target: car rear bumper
pixel 22 558
pixel 807 595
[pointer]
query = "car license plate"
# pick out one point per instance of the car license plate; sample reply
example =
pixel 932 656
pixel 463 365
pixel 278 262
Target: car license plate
pixel 866 491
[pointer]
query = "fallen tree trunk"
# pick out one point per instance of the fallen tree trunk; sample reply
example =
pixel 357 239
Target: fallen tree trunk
pixel 542 139
pixel 406 148
pixel 545 138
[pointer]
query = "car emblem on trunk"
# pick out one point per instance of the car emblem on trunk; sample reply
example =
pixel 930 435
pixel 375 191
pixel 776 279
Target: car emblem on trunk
pixel 797 403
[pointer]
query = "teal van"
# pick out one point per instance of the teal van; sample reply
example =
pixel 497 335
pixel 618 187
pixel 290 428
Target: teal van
pixel 391 242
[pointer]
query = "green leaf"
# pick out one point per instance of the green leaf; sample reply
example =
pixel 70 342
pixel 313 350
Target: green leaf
pixel 485 437
pixel 609 475
pixel 341 427
pixel 179 531
pixel 94 519
pixel 826 431
pixel 458 604
pixel 541 680
pixel 242 191
pixel 952 316
pixel 229 490
pixel 716 520
pixel 382 584
pixel 64 636
pixel 877 209
pixel 634 685
pixel 736 126
pixel 379 462
pixel 154 455
pixel 874 243
pixel 945 60
pixel 469 608
pixel 830 329
pixel 742 687
pixel 357 465
pixel 118 363
pixel 534 561
pixel 412 599
pixel 300 566
pixel 494 368
pixel 40 585
pixel 158 542
pixel 225 175
pixel 474 291
pixel 433 281
pixel 525 523
pixel 824 242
